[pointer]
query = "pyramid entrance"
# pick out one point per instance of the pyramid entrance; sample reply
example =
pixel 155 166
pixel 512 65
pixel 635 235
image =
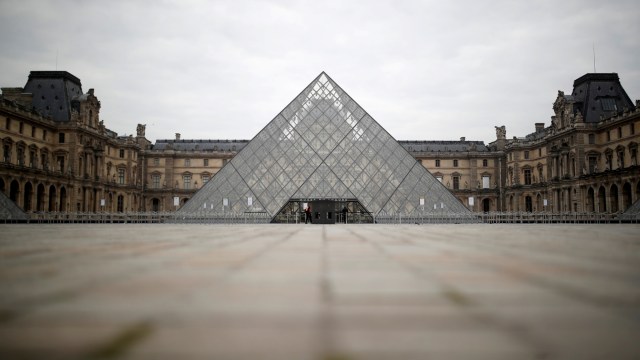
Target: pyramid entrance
pixel 324 211
pixel 325 149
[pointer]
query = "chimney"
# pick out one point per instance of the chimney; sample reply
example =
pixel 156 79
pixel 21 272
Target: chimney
pixel 177 136
pixel 463 138
pixel 539 127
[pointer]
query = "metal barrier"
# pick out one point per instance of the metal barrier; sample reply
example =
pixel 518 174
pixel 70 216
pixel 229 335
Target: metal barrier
pixel 263 218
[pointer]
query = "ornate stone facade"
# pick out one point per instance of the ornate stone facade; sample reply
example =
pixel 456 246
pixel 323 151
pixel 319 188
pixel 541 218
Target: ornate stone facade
pixel 57 155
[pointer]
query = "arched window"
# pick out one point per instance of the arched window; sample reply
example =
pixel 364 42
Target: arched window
pixel 602 200
pixel 627 199
pixel 613 194
pixel 63 199
pixel 486 205
pixel 528 203
pixel 120 206
pixel 591 200
pixel 14 190
pixel 52 198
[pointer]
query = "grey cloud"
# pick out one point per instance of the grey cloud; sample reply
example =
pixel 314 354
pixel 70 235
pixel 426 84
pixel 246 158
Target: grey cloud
pixel 223 69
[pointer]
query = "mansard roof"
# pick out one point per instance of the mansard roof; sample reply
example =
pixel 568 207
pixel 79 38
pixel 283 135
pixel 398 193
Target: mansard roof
pixel 52 93
pixel 200 145
pixel 418 146
pixel 599 95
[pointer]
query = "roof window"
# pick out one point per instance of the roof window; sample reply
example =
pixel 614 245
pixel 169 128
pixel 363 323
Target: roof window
pixel 608 104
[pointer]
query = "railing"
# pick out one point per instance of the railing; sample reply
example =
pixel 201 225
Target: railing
pixel 145 217
pixel 263 218
pixel 522 217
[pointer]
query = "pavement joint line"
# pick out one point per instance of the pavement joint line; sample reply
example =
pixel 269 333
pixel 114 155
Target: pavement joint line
pixel 123 342
pixel 460 271
pixel 470 309
pixel 23 306
pixel 325 321
pixel 572 292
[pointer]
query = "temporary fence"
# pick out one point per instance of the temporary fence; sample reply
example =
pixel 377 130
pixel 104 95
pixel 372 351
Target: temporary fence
pixel 263 218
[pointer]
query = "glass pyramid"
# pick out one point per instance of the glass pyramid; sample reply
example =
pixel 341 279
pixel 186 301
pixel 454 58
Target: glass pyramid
pixel 323 145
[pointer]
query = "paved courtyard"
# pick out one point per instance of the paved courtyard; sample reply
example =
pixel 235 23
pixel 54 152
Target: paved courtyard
pixel 341 292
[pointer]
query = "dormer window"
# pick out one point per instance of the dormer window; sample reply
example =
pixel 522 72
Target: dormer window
pixel 608 104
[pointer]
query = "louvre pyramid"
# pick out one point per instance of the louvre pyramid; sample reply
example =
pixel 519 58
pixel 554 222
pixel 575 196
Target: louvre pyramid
pixel 323 145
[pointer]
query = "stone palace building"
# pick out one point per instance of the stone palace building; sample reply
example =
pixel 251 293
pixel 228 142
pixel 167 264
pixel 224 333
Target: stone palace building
pixel 57 155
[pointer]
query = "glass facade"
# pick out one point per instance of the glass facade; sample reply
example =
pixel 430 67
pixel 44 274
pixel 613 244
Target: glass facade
pixel 323 145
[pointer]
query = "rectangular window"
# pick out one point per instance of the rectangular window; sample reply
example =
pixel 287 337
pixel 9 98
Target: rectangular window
pixel 33 131
pixel 206 162
pixel 155 181
pixel 61 138
pixel 609 135
pixel 527 176
pixel 455 163
pixel 540 152
pixel 439 178
pixel 485 162
pixel 6 154
pixel 205 178
pixel 20 154
pixel 608 104
pixel 187 181
pixel 32 159
pixel 21 127
pixel 456 183
pixel 7 124
pixel 156 161
pixel 593 162
pixel 121 176
pixel 60 162
pixel 187 162
pixel 44 134
pixel 486 181
pixel 592 139
pixel 526 155
pixel 437 162
pixel 619 132
pixel 122 153
pixel 620 160
pixel 632 128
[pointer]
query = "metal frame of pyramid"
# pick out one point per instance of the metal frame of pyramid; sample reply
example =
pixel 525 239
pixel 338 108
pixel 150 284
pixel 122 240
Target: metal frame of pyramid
pixel 323 145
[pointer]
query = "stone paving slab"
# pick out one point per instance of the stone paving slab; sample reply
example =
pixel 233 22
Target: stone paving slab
pixel 343 292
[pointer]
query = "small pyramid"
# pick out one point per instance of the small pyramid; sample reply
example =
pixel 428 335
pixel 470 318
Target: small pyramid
pixel 323 145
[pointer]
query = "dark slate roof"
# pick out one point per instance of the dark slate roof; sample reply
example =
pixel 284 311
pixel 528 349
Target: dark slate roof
pixel 52 93
pixel 228 145
pixel 200 145
pixel 596 93
pixel 538 135
pixel 414 146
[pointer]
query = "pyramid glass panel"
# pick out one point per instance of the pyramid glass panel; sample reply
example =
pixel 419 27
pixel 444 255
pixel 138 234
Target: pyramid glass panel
pixel 323 147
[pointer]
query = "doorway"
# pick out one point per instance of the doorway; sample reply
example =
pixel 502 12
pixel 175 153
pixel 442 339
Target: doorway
pixel 324 211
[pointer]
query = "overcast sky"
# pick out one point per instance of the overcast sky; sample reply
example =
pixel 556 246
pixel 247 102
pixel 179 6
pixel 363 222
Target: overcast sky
pixel 425 70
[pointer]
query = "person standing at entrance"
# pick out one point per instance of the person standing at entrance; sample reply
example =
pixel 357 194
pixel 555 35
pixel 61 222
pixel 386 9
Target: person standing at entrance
pixel 344 214
pixel 307 215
